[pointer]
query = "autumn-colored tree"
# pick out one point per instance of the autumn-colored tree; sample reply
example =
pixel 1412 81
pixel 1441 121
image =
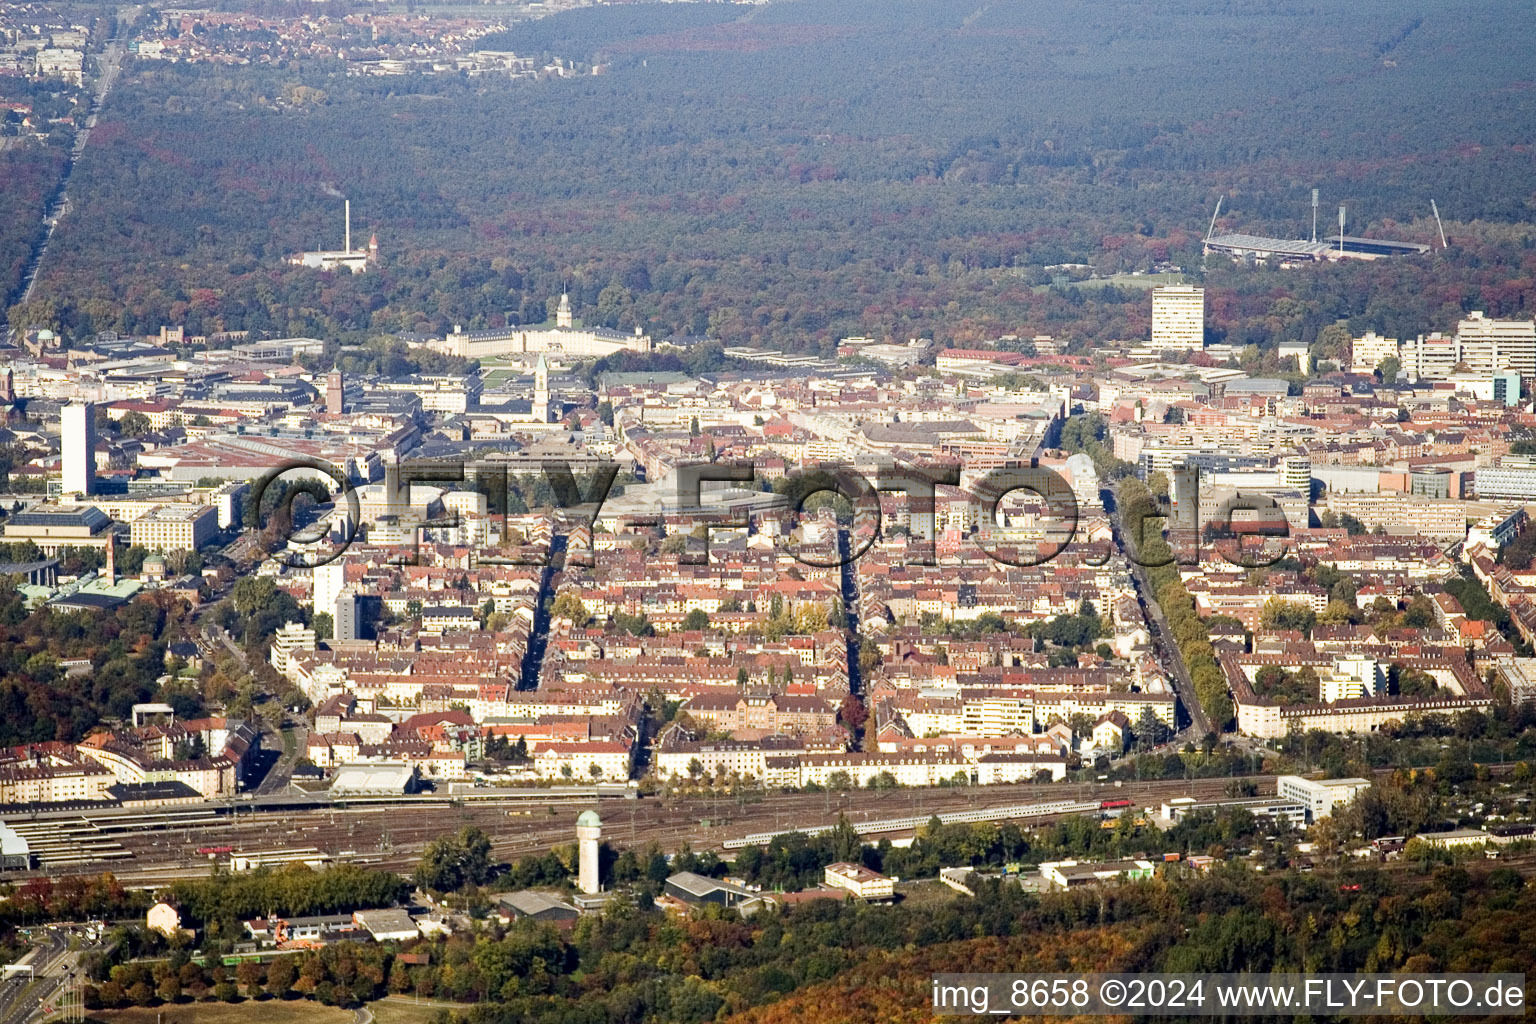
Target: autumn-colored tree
pixel 280 977
pixel 248 974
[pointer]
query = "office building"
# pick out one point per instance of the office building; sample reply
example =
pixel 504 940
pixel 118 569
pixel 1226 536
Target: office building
pixel 859 880
pixel 1488 346
pixel 1481 349
pixel 1368 351
pixel 1295 473
pixel 1505 387
pixel 1429 358
pixel 1430 482
pixel 1403 514
pixel 1178 317
pixel 175 527
pixel 77 437
pixel 1502 386
pixel 347 618
pixel 1321 797
pixel 326 583
pixel 229 499
pixel 1505 481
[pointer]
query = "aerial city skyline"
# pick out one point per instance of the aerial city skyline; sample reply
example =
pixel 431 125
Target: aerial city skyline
pixel 762 511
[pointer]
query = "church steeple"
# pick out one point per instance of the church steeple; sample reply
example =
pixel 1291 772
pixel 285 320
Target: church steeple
pixel 563 314
pixel 541 390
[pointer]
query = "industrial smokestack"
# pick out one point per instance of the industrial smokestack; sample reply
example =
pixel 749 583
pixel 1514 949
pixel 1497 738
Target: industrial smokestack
pixel 348 205
pixel 1341 229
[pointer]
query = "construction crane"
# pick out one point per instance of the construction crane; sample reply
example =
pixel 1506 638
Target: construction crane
pixel 1436 210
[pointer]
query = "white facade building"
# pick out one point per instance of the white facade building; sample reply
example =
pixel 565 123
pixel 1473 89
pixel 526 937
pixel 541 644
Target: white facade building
pixel 1368 351
pixel 859 880
pixel 1320 796
pixel 77 438
pixel 175 527
pixel 1491 345
pixel 1178 316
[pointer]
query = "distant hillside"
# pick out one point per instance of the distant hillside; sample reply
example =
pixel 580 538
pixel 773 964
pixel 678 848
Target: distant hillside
pixel 800 171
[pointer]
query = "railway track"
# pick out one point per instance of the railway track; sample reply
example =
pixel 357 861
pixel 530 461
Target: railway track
pixel 151 848
pixel 154 848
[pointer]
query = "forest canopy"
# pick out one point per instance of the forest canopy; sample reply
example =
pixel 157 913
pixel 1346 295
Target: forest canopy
pixel 799 172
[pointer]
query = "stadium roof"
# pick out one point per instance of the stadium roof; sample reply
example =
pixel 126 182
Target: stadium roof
pixel 1378 246
pixel 1260 245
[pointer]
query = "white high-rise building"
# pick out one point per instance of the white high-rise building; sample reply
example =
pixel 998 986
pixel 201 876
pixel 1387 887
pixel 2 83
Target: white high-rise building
pixel 77 438
pixel 1481 347
pixel 1434 357
pixel 589 835
pixel 1368 351
pixel 1178 316
pixel 1491 345
pixel 328 581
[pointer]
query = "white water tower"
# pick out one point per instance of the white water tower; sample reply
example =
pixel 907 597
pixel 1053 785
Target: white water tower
pixel 589 834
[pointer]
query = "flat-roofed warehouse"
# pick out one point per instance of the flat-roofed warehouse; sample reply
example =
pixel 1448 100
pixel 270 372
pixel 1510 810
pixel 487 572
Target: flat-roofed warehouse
pixel 386 778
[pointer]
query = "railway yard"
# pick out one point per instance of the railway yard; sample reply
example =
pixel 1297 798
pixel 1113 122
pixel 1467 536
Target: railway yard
pixel 154 847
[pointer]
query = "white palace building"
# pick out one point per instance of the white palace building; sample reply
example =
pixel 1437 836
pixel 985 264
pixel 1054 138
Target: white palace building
pixel 564 338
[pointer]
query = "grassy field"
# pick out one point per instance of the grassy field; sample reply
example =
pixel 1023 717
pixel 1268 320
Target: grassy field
pixel 495 376
pixel 403 1010
pixel 267 1011
pixel 1122 281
